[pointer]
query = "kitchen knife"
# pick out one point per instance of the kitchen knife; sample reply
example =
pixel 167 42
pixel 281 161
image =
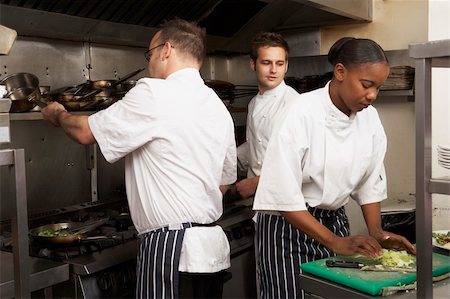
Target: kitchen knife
pixel 344 264
pixel 365 267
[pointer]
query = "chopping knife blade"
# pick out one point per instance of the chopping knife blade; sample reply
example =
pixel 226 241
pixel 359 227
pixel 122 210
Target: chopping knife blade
pixel 365 267
pixel 344 264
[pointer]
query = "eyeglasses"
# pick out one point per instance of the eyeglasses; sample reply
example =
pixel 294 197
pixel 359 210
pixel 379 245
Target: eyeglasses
pixel 148 53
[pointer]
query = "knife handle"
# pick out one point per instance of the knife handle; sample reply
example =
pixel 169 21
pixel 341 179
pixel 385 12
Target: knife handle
pixel 343 264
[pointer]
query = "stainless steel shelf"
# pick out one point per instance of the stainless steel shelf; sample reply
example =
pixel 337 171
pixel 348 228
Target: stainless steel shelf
pixel 427 55
pixel 440 185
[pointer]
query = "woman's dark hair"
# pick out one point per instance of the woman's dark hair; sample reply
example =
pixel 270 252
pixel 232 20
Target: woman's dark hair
pixel 353 51
pixel 268 39
pixel 186 36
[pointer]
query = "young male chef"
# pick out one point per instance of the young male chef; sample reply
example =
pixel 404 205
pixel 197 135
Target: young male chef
pixel 269 59
pixel 178 141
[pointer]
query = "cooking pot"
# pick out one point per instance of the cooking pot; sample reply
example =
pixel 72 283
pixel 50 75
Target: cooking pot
pixel 23 90
pixel 76 233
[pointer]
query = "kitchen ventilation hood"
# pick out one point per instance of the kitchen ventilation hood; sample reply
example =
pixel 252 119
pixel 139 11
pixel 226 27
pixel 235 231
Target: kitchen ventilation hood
pixel 230 24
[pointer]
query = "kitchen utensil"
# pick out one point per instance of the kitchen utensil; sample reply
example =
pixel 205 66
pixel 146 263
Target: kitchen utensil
pixel 23 90
pixel 127 85
pixel 102 84
pixel 125 78
pixel 38 102
pixel 85 228
pixel 371 282
pixel 344 264
pixel 77 236
pixel 365 267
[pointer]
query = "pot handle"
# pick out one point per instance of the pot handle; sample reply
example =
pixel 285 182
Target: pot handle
pixel 99 90
pixel 36 101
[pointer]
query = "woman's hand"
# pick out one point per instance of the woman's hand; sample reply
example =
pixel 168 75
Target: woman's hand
pixel 364 245
pixel 393 241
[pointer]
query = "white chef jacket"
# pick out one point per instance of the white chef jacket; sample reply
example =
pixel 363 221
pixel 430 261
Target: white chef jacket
pixel 178 141
pixel 263 112
pixel 321 157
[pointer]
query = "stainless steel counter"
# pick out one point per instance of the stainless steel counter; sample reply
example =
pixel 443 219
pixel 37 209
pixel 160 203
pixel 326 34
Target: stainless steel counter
pixel 327 289
pixel 44 273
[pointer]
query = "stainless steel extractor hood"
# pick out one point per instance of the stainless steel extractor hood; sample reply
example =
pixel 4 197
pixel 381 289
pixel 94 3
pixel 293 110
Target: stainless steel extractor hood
pixel 229 23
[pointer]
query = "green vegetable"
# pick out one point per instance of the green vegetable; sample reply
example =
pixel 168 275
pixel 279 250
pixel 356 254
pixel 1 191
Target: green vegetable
pixel 54 233
pixel 46 233
pixel 395 258
pixel 442 239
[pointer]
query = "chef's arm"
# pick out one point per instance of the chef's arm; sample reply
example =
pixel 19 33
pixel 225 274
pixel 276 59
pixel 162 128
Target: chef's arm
pixel 372 216
pixel 224 188
pixel 247 187
pixel 351 245
pixel 75 126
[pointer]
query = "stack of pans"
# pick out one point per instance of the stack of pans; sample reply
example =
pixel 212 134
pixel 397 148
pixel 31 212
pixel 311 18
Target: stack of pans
pixel 77 98
pixel 93 95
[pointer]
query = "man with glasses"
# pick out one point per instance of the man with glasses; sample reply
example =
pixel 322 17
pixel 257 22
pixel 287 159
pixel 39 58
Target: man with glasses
pixel 178 141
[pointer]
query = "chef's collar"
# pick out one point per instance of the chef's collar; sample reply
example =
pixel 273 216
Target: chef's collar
pixel 186 72
pixel 332 109
pixel 276 91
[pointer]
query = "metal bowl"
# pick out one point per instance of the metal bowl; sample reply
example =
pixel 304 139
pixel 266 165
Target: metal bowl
pixel 22 88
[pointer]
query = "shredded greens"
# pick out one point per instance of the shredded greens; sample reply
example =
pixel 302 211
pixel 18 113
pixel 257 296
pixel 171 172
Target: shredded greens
pixel 395 258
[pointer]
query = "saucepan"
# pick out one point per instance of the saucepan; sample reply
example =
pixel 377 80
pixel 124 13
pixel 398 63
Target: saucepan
pixel 23 90
pixel 66 233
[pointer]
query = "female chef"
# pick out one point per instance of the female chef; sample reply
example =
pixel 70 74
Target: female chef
pixel 329 148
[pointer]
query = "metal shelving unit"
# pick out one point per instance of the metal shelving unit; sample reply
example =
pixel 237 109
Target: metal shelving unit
pixel 15 161
pixel 427 55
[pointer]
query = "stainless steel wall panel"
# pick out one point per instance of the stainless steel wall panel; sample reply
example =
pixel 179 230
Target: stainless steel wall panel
pixel 113 62
pixel 55 62
pixel 56 169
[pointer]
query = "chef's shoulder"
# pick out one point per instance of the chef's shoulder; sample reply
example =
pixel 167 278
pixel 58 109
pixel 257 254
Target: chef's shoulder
pixel 302 104
pixel 151 83
pixel 369 120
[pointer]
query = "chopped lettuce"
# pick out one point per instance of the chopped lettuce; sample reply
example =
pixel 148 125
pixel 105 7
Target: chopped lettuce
pixel 395 258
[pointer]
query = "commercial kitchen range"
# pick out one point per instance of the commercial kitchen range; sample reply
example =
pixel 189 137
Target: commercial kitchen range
pixel 104 267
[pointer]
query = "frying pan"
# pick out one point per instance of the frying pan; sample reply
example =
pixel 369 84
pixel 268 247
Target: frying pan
pixel 111 84
pixel 76 232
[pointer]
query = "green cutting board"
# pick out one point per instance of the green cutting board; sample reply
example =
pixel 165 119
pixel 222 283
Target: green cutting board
pixel 370 282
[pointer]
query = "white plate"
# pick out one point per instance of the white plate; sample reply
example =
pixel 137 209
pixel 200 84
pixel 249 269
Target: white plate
pixel 443 148
pixel 444 154
pixel 445 165
pixel 447 246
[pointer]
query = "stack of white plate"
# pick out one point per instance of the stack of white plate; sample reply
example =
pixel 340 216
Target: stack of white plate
pixel 444 155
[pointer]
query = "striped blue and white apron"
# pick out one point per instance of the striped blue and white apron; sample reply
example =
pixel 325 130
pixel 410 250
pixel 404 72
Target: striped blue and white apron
pixel 158 261
pixel 281 249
